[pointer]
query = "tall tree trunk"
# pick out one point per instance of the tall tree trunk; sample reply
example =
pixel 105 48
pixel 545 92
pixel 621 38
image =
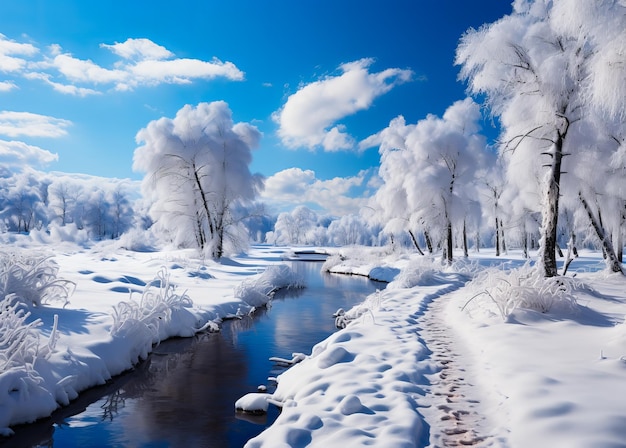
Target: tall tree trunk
pixel 550 212
pixel 415 243
pixel 429 242
pixel 611 259
pixel 497 237
pixel 502 240
pixel 465 252
pixel 477 238
pixel 205 204
pixel 449 242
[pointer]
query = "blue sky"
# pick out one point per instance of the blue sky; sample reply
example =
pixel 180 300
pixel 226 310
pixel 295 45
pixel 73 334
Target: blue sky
pixel 78 79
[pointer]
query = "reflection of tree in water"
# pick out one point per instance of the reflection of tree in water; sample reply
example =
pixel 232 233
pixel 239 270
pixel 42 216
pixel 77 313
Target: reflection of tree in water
pixel 113 404
pixel 189 396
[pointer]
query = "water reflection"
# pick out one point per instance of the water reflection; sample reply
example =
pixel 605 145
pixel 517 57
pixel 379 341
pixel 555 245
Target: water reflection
pixel 184 394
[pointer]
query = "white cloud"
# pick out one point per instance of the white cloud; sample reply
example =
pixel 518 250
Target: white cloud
pixel 17 154
pixel 308 118
pixel 69 89
pixel 5 86
pixel 142 63
pixel 294 186
pixel 139 49
pixel 13 124
pixel 9 49
pixel 181 71
pixel 79 70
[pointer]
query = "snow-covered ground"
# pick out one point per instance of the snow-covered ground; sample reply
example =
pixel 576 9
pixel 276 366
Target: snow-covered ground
pixel 434 359
pixel 123 303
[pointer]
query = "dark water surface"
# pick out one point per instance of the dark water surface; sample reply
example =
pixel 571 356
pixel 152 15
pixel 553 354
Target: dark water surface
pixel 184 394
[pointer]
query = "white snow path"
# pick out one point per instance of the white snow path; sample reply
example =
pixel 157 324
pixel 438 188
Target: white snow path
pixel 453 411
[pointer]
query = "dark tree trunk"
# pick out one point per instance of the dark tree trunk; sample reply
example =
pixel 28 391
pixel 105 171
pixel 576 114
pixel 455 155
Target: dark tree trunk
pixel 497 237
pixel 611 259
pixel 502 240
pixel 415 243
pixel 449 247
pixel 429 242
pixel 465 252
pixel 551 211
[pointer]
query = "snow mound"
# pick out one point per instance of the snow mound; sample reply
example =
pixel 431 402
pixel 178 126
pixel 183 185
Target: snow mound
pixel 255 403
pixel 161 313
pixel 259 290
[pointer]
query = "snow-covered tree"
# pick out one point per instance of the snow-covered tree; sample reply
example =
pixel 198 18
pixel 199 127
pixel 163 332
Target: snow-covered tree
pixel 296 227
pixel 197 171
pixel 429 168
pixel 348 230
pixel 542 69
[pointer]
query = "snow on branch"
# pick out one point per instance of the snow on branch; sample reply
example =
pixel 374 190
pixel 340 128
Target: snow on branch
pixel 32 279
pixel 21 385
pixel 159 314
pixel 524 287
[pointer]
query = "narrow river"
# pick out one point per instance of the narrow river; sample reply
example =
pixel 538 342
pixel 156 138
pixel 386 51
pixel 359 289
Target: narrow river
pixel 184 394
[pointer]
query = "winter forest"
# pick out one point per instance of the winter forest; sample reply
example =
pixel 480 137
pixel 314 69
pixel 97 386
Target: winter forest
pixel 551 75
pixel 548 192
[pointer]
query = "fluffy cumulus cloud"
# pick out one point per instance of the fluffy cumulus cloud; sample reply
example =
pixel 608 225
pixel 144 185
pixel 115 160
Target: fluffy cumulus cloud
pixel 141 63
pixel 15 154
pixel 14 55
pixel 294 186
pixel 139 49
pixel 310 116
pixel 14 124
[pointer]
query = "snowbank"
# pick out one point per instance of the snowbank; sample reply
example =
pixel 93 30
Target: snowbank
pixel 558 372
pixel 547 360
pixel 117 313
pixel 364 383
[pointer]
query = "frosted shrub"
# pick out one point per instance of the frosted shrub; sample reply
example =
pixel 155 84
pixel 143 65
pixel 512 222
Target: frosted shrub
pixel 417 272
pixel 153 311
pixel 523 287
pixel 331 262
pixel 19 339
pixel 32 279
pixel 20 382
pixel 258 290
pixel 372 303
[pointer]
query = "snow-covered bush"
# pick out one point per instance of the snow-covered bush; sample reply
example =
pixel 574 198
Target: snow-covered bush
pixel 331 262
pixel 258 290
pixel 138 240
pixel 57 233
pixel 418 271
pixel 32 279
pixel 20 383
pixel 159 314
pixel 372 303
pixel 523 287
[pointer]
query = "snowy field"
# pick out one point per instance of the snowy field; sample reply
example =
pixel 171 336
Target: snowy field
pixel 435 359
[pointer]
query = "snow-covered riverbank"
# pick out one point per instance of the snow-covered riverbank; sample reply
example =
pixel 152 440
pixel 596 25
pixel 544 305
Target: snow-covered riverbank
pixel 123 303
pixel 537 378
